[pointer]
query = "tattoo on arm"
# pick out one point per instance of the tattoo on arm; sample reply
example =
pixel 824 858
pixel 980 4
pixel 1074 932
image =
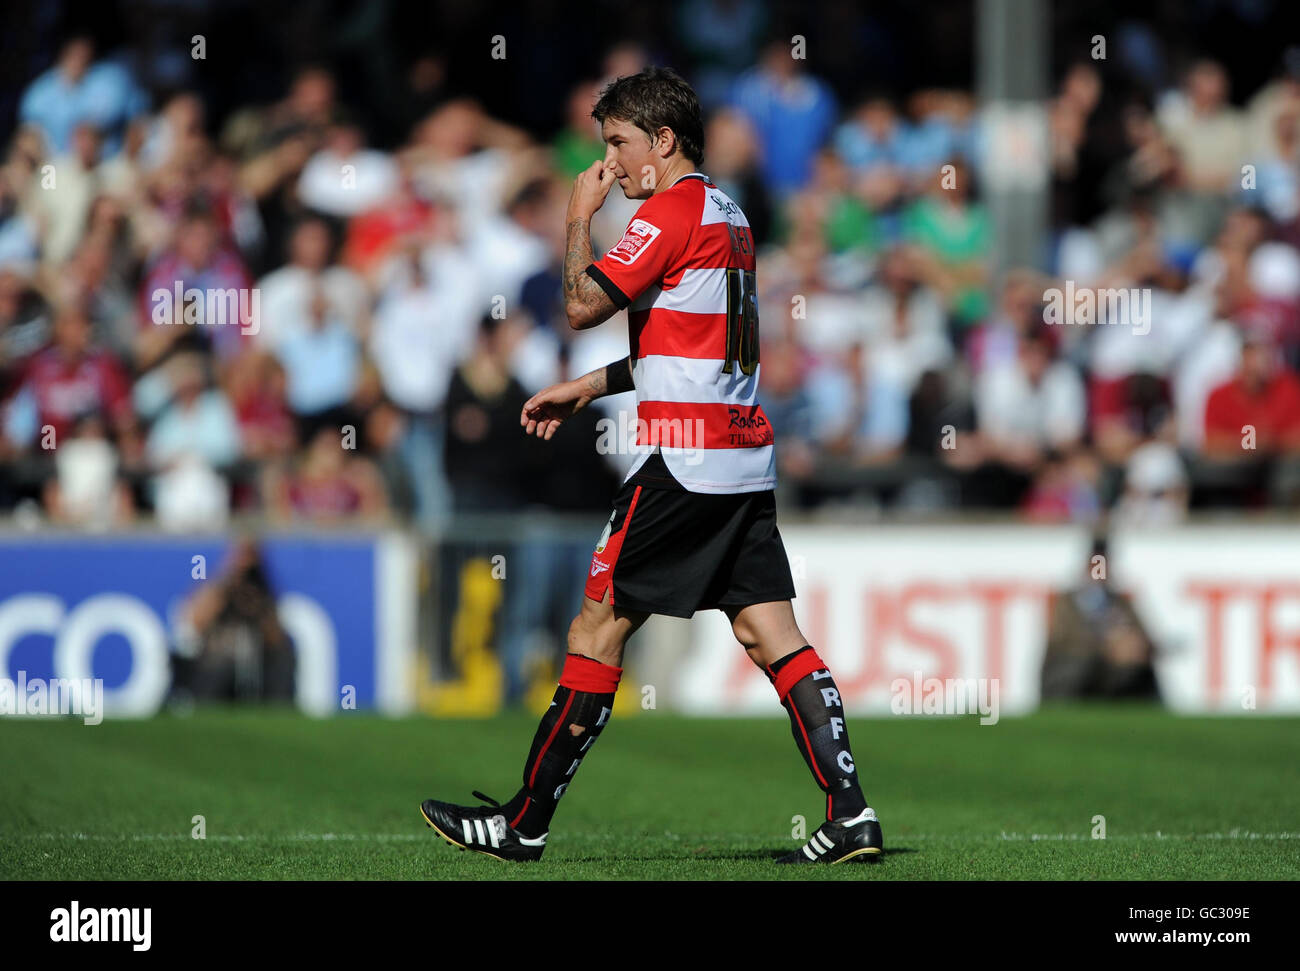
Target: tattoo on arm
pixel 580 289
pixel 611 379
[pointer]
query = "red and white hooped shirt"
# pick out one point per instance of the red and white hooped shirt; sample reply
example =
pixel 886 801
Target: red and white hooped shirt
pixel 684 270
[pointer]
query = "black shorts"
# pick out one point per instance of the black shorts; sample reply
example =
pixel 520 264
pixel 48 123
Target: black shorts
pixel 668 551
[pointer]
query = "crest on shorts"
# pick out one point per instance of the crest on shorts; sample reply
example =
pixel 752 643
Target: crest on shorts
pixel 639 235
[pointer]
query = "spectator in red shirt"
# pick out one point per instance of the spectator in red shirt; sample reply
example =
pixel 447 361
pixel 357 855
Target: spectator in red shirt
pixel 1264 396
pixel 71 378
pixel 256 391
pixel 328 485
pixel 375 235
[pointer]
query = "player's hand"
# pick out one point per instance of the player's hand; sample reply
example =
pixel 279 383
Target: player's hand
pixel 545 411
pixel 589 190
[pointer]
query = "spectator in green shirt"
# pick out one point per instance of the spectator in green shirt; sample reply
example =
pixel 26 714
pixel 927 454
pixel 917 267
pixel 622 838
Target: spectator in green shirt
pixel 579 144
pixel 955 233
pixel 846 221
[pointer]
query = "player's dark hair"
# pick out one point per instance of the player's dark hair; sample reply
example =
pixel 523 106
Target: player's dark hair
pixel 658 97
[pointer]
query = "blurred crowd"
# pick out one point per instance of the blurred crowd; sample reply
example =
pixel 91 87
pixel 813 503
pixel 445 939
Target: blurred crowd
pixel 393 302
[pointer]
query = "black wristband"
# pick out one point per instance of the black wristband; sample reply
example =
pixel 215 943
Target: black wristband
pixel 618 377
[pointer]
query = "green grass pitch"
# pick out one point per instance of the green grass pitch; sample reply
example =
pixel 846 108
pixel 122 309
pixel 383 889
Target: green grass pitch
pixel 661 797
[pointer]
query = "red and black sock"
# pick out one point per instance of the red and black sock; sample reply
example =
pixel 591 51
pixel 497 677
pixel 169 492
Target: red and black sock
pixel 808 693
pixel 582 705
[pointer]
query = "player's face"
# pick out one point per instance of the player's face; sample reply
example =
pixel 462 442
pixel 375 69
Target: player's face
pixel 632 155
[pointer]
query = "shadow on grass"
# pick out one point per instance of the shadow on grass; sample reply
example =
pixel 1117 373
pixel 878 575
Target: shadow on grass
pixel 735 856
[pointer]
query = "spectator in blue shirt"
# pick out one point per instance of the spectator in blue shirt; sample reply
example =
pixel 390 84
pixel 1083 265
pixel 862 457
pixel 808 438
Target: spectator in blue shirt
pixel 322 362
pixel 75 90
pixel 792 111
pixel 871 136
pixel 877 141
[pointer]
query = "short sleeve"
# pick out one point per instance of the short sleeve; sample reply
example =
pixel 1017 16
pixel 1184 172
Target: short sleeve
pixel 650 247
